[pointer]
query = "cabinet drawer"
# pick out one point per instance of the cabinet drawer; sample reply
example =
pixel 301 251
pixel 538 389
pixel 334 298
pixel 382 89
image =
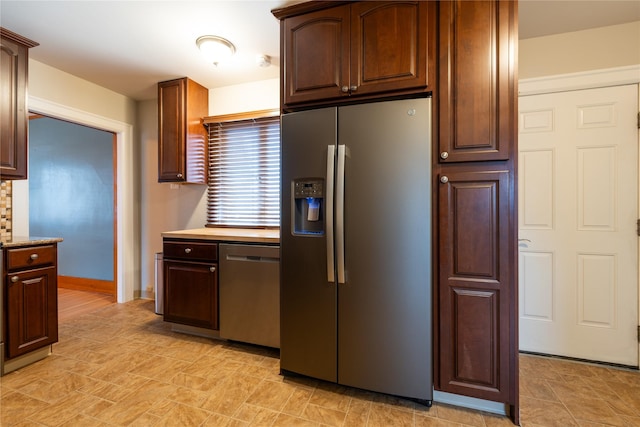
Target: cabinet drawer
pixel 190 250
pixel 34 256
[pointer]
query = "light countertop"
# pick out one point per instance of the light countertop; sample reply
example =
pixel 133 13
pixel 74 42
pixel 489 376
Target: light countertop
pixel 250 235
pixel 27 241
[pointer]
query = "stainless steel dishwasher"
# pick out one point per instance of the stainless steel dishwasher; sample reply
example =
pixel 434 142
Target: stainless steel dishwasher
pixel 250 294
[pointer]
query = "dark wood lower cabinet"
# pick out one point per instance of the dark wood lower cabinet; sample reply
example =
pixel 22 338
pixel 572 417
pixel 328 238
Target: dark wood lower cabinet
pixel 191 293
pixel 32 310
pixel 477 285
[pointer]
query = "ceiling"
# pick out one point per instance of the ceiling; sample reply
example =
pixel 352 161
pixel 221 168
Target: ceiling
pixel 129 46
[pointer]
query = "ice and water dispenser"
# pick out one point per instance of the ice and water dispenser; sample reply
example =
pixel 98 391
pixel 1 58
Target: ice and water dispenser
pixel 308 195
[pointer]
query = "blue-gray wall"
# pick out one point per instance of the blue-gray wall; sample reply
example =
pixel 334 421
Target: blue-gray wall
pixel 71 195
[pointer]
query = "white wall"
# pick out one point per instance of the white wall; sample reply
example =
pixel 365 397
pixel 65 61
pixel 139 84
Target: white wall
pixel 56 86
pixel 579 51
pixel 166 207
pixel 261 95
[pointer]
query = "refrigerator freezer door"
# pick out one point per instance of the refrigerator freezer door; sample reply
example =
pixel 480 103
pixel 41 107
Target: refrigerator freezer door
pixel 384 310
pixel 308 341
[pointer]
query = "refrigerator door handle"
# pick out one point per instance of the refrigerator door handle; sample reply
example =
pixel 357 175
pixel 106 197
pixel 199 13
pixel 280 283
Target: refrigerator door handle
pixel 331 159
pixel 340 213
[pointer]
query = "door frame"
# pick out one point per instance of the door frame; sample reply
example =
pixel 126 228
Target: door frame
pixel 593 79
pixel 127 235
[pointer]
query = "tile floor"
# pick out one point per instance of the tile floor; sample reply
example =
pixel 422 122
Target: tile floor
pixel 121 365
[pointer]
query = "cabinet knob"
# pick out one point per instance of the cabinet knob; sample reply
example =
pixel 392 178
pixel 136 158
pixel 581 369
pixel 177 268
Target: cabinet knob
pixel 14 279
pixel 212 269
pixel 34 256
pixel 179 175
pixel 444 179
pixel 353 88
pixel 444 155
pixel 345 89
pixel 187 250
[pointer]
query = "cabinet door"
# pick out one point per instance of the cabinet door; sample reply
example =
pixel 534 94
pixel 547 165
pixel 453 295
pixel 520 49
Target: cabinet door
pixel 13 113
pixel 475 284
pixel 477 48
pixel 32 310
pixel 316 55
pixel 182 138
pixel 389 49
pixel 191 293
pixel 171 131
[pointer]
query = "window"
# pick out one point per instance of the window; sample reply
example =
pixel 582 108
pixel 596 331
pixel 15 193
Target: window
pixel 244 172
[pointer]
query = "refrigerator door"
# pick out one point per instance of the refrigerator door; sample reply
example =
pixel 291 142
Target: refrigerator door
pixel 308 340
pixel 384 310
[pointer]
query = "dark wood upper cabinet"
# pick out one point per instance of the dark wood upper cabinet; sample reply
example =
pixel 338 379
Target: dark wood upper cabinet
pixel 316 55
pixel 14 120
pixel 182 137
pixel 477 80
pixel 364 49
pixel 389 46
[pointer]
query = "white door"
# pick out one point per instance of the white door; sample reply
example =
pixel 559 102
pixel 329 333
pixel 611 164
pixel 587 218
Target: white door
pixel 578 207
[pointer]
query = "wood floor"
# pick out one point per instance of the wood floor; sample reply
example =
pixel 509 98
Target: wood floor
pixel 73 303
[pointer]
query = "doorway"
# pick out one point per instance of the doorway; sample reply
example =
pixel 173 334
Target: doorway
pixel 127 238
pixel 72 194
pixel 578 207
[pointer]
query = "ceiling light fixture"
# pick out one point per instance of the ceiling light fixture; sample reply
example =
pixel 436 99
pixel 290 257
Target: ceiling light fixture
pixel 215 49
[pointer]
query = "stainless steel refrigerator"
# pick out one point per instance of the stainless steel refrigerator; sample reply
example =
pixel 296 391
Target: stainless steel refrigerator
pixel 355 290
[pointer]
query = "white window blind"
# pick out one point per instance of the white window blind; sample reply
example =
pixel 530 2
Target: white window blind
pixel 244 173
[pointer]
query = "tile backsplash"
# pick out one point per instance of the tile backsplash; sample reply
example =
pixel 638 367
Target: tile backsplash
pixel 5 210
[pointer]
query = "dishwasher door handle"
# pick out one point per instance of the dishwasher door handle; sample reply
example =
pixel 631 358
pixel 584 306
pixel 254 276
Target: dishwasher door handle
pixel 251 258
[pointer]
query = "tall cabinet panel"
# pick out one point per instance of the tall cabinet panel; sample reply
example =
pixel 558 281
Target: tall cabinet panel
pixel 475 165
pixel 474 228
pixel 14 63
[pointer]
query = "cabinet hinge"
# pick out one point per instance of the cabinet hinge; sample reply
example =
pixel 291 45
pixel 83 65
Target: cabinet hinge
pixel 638 228
pixel 638 119
pixel 638 333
